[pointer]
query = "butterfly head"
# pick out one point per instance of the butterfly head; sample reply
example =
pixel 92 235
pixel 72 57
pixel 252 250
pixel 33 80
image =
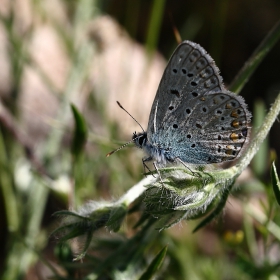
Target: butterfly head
pixel 139 139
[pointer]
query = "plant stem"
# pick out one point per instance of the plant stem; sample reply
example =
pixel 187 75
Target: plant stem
pixel 260 135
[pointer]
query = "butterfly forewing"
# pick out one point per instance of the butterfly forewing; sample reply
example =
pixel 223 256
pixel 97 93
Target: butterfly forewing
pixel 190 73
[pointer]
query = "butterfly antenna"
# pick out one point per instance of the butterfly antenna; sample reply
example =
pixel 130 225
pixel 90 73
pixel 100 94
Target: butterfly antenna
pixel 119 148
pixel 130 116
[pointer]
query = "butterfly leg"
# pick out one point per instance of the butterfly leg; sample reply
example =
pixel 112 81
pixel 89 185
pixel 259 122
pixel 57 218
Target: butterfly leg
pixel 156 168
pixel 193 173
pixel 145 166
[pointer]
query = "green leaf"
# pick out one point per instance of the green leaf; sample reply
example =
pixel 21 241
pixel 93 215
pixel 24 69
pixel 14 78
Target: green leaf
pixel 116 218
pixel 216 211
pixel 154 266
pixel 154 25
pixel 80 134
pixel 85 247
pixel 63 213
pixel 275 182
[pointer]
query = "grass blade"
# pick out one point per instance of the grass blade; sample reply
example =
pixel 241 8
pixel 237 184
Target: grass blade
pixel 257 57
pixel 275 182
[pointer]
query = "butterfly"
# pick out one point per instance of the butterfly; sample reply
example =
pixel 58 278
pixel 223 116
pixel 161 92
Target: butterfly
pixel 193 119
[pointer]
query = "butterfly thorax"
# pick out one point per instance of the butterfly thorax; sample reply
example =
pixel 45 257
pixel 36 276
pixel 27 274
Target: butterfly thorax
pixel 160 155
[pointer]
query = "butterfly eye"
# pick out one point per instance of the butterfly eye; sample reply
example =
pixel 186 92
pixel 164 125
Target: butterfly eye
pixel 141 140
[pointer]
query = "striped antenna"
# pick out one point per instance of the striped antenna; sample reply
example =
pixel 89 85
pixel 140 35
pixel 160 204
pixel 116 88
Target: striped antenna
pixel 119 148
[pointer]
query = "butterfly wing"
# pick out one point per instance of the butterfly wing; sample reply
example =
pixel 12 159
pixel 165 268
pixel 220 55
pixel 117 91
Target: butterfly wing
pixel 193 115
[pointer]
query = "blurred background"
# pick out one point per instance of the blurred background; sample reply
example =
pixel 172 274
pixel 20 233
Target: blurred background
pixel 91 53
